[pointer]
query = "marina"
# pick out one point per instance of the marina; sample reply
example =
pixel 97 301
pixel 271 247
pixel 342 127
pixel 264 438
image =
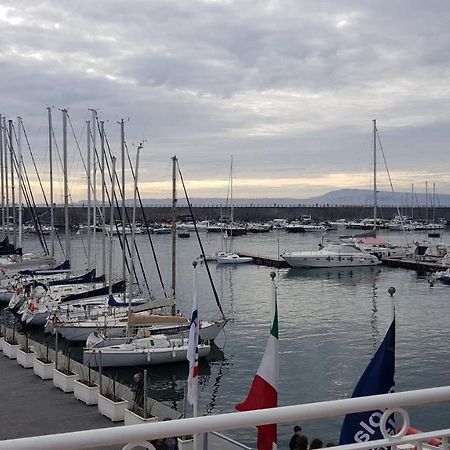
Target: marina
pixel 318 307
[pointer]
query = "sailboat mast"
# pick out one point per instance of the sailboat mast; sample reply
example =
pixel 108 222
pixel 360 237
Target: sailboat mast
pixel 133 235
pixel 426 201
pixel 174 229
pixel 102 138
pixel 122 148
pixel 2 180
pixel 94 185
pixel 374 174
pixel 11 161
pixel 111 223
pixel 412 201
pixel 50 157
pixel 5 146
pixel 66 185
pixel 88 144
pixel 434 202
pixel 19 174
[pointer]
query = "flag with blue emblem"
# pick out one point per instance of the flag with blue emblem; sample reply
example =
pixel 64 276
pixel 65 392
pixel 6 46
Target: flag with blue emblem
pixel 378 378
pixel 192 353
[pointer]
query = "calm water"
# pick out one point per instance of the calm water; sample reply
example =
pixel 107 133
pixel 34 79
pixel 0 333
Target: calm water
pixel 330 320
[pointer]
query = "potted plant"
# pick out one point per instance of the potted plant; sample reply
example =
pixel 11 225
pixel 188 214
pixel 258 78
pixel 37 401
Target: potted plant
pixel 26 354
pixel 63 376
pixel 137 413
pixel 43 366
pixel 85 389
pixel 2 336
pixel 110 403
pixel 10 344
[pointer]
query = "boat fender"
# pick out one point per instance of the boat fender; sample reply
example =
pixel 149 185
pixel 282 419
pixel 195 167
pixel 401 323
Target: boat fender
pixel 173 352
pixel 148 356
pixel 435 442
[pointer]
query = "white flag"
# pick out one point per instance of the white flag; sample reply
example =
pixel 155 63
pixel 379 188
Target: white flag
pixel 192 353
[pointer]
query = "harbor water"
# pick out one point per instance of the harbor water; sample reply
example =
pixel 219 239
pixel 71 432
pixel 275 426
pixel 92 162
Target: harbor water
pixel 331 322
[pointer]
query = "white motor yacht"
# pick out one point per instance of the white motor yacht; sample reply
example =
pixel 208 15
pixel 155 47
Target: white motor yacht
pixel 332 255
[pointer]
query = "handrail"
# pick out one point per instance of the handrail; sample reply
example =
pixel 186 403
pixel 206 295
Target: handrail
pixel 235 420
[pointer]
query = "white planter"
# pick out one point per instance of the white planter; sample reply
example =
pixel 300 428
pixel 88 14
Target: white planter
pixel 10 350
pixel 63 381
pixel 2 339
pixel 133 419
pixel 25 359
pixel 84 393
pixel 43 370
pixel 185 445
pixel 113 410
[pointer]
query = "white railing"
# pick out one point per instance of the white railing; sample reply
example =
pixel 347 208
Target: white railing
pixel 135 435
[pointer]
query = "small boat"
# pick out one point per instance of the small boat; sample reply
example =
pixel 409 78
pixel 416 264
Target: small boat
pixel 332 255
pixel 233 258
pixel 183 234
pixel 153 350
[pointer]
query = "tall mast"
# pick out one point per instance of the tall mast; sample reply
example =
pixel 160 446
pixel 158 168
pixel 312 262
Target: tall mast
pixel 5 146
pixel 133 236
pixel 111 223
pixel 94 184
pixel 2 178
pixel 88 143
pixel 174 230
pixel 66 186
pixel 374 174
pixel 412 201
pixel 426 201
pixel 122 149
pixel 19 174
pixel 434 202
pixel 102 138
pixel 13 200
pixel 50 157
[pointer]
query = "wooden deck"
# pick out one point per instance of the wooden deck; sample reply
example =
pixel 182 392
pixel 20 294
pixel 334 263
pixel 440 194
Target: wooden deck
pixel 267 261
pixel 410 264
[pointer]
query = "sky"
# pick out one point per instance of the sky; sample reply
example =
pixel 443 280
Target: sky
pixel 289 88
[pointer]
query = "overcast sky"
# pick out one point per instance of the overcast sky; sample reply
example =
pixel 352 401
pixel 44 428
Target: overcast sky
pixel 289 88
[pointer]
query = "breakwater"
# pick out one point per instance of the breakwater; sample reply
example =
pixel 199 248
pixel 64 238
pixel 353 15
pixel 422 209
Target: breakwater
pixel 78 214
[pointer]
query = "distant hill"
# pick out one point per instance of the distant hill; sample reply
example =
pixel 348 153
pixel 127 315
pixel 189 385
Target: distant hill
pixel 344 197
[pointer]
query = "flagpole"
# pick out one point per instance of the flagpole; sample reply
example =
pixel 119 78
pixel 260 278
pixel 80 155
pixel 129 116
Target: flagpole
pixel 193 354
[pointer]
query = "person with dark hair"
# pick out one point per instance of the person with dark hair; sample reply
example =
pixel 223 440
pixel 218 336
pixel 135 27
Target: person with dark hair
pixel 138 388
pixel 302 442
pixel 294 438
pixel 315 443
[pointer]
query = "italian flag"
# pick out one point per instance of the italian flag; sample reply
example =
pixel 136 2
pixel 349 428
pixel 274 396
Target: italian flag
pixel 264 389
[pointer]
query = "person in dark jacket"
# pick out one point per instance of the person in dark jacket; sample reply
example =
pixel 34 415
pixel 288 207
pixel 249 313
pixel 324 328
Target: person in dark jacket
pixel 294 438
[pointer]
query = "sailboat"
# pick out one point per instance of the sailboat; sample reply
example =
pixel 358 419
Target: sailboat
pixel 228 256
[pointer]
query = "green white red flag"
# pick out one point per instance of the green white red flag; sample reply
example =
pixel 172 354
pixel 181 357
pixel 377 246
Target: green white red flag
pixel 264 389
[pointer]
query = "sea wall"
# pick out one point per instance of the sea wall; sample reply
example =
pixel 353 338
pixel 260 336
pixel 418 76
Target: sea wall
pixel 77 214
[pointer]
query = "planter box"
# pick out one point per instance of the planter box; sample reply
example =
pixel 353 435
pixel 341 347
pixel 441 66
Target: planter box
pixel 84 393
pixel 185 445
pixel 10 350
pixel 113 410
pixel 63 381
pixel 25 359
pixel 43 370
pixel 132 418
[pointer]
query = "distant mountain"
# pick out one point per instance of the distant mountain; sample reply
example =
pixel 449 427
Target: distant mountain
pixel 344 197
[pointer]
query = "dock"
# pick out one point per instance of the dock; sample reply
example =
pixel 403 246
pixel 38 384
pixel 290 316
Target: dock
pixel 267 261
pixel 410 264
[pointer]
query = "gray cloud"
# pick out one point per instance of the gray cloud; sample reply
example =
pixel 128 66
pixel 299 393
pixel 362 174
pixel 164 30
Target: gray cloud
pixel 288 87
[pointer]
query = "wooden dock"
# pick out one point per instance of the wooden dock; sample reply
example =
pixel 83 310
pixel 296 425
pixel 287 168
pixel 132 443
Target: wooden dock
pixel 268 261
pixel 410 264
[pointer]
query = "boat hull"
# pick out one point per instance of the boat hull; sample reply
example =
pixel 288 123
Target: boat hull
pixel 325 262
pixel 139 358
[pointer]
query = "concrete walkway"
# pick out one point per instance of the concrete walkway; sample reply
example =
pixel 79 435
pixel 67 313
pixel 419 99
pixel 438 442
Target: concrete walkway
pixel 30 406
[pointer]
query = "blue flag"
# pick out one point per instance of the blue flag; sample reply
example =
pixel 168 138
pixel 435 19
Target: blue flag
pixel 377 379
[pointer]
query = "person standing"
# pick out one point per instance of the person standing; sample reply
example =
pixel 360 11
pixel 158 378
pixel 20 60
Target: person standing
pixel 294 438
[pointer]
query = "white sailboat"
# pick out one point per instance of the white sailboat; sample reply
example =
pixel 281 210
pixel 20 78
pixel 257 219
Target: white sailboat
pixel 228 256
